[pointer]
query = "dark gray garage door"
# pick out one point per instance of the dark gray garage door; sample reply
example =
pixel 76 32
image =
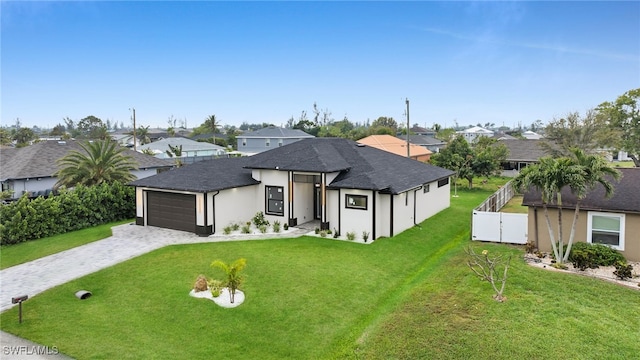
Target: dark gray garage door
pixel 171 210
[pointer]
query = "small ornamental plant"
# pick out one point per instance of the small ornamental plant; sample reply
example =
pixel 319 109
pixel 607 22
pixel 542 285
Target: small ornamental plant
pixel 365 236
pixel 492 269
pixel 351 235
pixel 276 226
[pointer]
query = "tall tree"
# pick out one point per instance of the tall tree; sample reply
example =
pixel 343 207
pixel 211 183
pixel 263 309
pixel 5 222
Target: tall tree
pixel 143 134
pixel 624 115
pixel 385 122
pixel 213 124
pixel 92 127
pixel 482 158
pixel 24 136
pixel 589 133
pixel 97 162
pixel 549 176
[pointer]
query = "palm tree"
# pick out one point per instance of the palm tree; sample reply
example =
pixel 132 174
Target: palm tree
pixel 234 277
pixel 143 135
pixel 596 169
pixel 98 162
pixel 549 176
pixel 580 173
pixel 213 122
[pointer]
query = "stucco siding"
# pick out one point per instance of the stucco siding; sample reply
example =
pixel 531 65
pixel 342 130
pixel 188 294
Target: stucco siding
pixel 403 216
pixel 273 178
pixel 357 220
pixel 333 208
pixel 383 215
pixel 237 205
pixel 433 201
pixel 632 229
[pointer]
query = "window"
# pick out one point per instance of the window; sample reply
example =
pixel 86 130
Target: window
pixel 267 143
pixel 280 142
pixel 443 182
pixel 425 188
pixel 244 142
pixel 606 228
pixel 356 201
pixel 275 200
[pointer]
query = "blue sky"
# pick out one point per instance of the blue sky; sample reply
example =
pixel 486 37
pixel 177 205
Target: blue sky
pixel 465 62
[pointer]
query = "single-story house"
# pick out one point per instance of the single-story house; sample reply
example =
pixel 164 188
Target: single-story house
pixel 190 148
pixel 254 142
pixel 522 152
pixel 432 144
pixel 396 146
pixel 612 221
pixel 31 169
pixel 346 186
pixel 474 132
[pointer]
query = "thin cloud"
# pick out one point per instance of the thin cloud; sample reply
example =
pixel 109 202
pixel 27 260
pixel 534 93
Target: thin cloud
pixel 538 46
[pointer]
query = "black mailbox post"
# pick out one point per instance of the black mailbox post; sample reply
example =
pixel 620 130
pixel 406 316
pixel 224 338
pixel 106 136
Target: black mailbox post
pixel 19 300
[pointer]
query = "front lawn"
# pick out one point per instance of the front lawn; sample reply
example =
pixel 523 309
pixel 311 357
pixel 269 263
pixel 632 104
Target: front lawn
pixel 15 254
pixel 409 297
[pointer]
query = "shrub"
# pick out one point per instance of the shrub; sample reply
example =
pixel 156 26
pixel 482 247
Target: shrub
pixel 227 230
pixel 623 271
pixel 262 228
pixel 259 220
pixel 286 226
pixel 336 234
pixel 530 247
pixel 215 287
pixel 351 235
pixel 317 230
pixel 235 226
pixel 586 255
pixel 276 226
pixel 323 233
pixel 246 229
pixel 83 207
pixel 365 236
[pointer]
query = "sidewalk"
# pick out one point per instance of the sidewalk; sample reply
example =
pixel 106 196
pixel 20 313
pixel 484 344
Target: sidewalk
pixel 128 241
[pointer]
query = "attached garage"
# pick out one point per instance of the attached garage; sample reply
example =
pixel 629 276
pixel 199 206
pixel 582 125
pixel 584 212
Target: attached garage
pixel 171 210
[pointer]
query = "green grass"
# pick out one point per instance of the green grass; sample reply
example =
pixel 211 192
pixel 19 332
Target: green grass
pixel 624 164
pixel 11 255
pixel 407 297
pixel 515 206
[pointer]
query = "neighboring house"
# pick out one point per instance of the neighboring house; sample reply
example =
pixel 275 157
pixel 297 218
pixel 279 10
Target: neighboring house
pixel 432 144
pixel 397 146
pixel 614 221
pixel 125 140
pixel 473 133
pixel 190 149
pixel 503 136
pixel 345 186
pixel 421 131
pixel 521 153
pixel 31 169
pixel 264 139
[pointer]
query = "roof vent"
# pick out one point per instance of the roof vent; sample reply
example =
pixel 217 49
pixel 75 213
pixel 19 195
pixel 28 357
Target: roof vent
pixel 62 142
pixel 360 145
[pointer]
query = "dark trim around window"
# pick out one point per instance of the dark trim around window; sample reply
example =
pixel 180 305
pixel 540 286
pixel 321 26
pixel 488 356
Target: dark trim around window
pixel 358 202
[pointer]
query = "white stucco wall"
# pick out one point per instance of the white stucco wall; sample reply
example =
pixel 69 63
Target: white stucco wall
pixel 272 178
pixel 383 216
pixel 431 203
pixel 357 220
pixel 403 212
pixel 237 205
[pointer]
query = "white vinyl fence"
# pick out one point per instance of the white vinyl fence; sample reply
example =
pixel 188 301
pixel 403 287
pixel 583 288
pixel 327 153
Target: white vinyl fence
pixel 489 224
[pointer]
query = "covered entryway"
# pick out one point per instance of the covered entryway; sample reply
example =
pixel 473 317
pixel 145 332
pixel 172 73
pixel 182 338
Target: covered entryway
pixel 171 210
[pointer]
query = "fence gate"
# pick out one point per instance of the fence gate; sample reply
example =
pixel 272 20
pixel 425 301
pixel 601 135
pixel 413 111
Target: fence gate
pixel 499 227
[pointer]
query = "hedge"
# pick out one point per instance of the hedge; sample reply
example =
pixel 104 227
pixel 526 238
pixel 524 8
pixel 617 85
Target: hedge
pixel 70 210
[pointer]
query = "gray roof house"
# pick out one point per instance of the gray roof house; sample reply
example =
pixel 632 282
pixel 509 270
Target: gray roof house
pixel 522 152
pixel 31 169
pixel 342 185
pixel 267 138
pixel 429 142
pixel 613 221
pixel 192 151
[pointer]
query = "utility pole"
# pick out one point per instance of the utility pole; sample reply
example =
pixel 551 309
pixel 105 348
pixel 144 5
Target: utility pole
pixel 135 148
pixel 408 148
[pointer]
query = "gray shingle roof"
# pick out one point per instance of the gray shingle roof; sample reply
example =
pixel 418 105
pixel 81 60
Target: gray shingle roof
pixel 626 197
pixel 361 167
pixel 204 176
pixel 39 159
pixel 275 132
pixel 524 150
